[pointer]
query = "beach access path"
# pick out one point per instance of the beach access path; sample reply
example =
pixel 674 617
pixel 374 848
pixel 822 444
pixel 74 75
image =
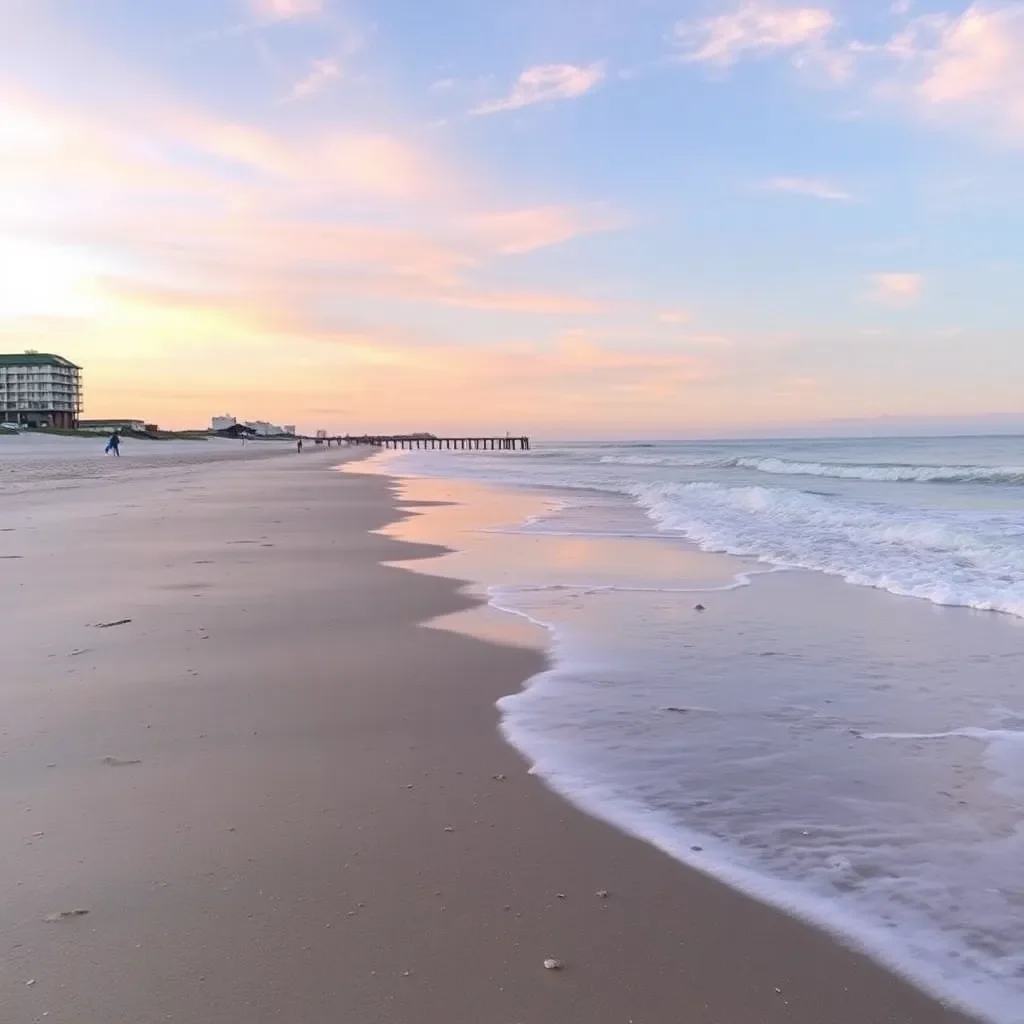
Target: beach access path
pixel 240 782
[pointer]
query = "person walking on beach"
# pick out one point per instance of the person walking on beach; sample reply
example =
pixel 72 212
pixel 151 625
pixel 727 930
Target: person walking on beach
pixel 113 445
pixel 299 446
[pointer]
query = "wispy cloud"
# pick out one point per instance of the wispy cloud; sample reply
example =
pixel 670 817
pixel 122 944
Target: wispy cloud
pixel 285 10
pixel 966 67
pixel 545 83
pixel 320 75
pixel 977 67
pixel 813 187
pixel 228 204
pixel 675 317
pixel 571 379
pixel 267 13
pixel 521 231
pixel 324 162
pixel 521 302
pixel 896 287
pixel 754 28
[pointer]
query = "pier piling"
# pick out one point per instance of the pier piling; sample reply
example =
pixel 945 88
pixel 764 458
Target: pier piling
pixel 406 443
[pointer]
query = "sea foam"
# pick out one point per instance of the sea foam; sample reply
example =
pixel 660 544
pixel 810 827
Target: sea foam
pixel 944 558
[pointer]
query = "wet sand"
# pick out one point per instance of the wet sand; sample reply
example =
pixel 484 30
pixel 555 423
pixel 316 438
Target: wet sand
pixel 279 798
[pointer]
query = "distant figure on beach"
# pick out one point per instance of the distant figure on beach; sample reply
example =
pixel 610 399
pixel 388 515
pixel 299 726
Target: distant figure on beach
pixel 299 445
pixel 113 445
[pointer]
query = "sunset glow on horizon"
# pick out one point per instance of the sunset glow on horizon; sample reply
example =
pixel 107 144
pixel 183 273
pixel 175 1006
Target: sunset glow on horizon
pixel 591 219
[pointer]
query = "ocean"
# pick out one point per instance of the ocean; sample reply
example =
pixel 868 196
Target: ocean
pixel 795 665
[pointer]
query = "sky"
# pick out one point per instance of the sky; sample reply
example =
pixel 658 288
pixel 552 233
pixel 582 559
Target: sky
pixel 582 218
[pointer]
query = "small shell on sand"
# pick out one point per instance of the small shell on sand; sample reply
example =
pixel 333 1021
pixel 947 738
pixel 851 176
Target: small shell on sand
pixel 448 828
pixel 551 964
pixel 602 894
pixel 64 915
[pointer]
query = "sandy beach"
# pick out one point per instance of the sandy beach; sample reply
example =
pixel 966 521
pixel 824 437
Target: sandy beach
pixel 226 736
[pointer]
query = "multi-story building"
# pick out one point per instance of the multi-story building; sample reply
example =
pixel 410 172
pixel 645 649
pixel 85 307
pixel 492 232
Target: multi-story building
pixel 261 428
pixel 40 390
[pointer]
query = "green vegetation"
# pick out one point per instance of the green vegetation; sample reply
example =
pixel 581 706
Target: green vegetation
pixel 176 435
pixel 159 435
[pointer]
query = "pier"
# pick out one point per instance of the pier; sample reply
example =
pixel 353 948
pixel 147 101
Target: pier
pixel 490 444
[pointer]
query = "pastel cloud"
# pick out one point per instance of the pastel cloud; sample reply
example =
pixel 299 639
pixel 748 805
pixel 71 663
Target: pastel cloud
pixel 755 28
pixel 225 203
pixel 540 302
pixel 977 66
pixel 896 287
pixel 675 317
pixel 382 377
pixel 189 150
pixel 243 239
pixel 968 67
pixel 544 84
pixel 59 160
pixel 813 187
pixel 558 384
pixel 285 10
pixel 321 74
pixel 524 230
pixel 325 161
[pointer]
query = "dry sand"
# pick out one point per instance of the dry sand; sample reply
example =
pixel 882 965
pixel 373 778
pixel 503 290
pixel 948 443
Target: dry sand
pixel 279 798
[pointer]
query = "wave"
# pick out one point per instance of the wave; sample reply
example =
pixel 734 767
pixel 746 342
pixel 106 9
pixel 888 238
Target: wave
pixel 968 732
pixel 878 472
pixel 882 472
pixel 947 555
pixel 840 880
pixel 668 460
pixel 741 579
pixel 948 561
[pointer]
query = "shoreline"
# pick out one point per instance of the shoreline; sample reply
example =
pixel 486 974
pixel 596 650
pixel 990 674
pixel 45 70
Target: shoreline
pixel 280 795
pixel 430 495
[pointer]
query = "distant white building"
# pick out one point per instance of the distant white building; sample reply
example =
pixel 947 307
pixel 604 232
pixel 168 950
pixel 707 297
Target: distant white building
pixel 261 428
pixel 289 428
